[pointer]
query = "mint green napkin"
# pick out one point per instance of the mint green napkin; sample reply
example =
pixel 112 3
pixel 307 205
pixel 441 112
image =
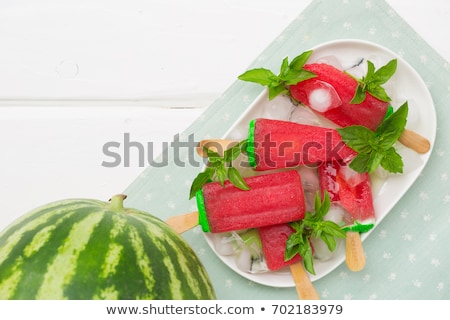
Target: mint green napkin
pixel 408 254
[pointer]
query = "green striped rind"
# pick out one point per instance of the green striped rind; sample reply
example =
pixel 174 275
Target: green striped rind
pixel 81 249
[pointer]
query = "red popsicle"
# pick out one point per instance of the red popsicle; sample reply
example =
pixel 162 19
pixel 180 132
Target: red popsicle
pixel 272 199
pixel 274 144
pixel 340 88
pixel 273 240
pixel 353 192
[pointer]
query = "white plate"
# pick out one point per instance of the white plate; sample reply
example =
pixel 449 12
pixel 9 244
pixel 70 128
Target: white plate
pixel 405 85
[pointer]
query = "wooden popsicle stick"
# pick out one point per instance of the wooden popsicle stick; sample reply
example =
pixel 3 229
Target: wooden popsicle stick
pixel 354 252
pixel 303 284
pixel 216 145
pixel 184 222
pixel 414 141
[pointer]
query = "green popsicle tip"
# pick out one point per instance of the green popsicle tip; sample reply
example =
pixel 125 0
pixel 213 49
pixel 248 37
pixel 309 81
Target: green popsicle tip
pixel 251 144
pixel 359 227
pixel 202 219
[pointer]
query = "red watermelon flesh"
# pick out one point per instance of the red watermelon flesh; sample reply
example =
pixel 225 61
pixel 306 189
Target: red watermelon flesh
pixel 352 190
pixel 370 113
pixel 273 240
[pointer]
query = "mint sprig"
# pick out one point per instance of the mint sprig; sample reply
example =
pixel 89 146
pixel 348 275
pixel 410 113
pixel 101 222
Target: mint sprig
pixel 313 225
pixel 290 74
pixel 373 80
pixel 220 168
pixel 376 148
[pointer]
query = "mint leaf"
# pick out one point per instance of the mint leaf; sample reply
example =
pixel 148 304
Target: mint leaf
pixel 359 138
pixel 378 92
pixel 236 179
pixel 376 148
pixel 360 95
pixel 373 80
pixel 299 61
pixel 221 174
pixel 361 162
pixel 220 168
pixel 290 74
pixel 262 76
pixel 393 126
pixel 392 162
pixel 384 73
pixel 313 225
pixel 275 91
pixel 293 244
pixel 234 152
pixel 200 180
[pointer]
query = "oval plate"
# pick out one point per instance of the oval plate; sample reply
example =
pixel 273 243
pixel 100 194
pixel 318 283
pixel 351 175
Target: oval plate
pixel 405 85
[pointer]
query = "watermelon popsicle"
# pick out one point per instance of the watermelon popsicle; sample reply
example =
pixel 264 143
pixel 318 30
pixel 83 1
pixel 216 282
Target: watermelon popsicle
pixel 330 94
pixel 352 191
pixel 273 198
pixel 276 144
pixel 273 240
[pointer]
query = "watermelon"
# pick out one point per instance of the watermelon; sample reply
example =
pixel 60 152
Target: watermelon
pixel 89 249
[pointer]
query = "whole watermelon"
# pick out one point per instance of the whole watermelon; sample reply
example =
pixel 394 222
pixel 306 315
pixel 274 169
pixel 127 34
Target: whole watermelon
pixel 89 249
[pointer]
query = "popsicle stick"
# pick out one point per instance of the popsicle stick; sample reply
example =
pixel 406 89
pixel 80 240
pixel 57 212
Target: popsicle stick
pixel 354 252
pixel 184 222
pixel 414 141
pixel 303 284
pixel 217 145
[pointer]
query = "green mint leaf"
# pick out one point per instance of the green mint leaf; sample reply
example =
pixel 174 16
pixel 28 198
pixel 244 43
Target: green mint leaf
pixel 359 138
pixel 373 80
pixel 284 69
pixel 299 61
pixel 392 161
pixel 262 76
pixel 213 156
pixel 312 225
pixel 236 179
pixel 334 229
pixel 370 71
pixel 221 173
pixel 277 90
pixel 308 259
pixel 293 243
pixel 376 148
pixel 200 180
pixel 375 160
pixel 297 226
pixel 384 73
pixel 360 162
pixel 290 74
pixel 329 240
pixel 393 126
pixel 217 168
pixel 378 92
pixel 234 152
pixel 295 76
pixel 322 208
pixel 360 95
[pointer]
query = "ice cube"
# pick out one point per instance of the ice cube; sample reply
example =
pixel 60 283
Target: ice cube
pixel 303 115
pixel 224 243
pixel 322 97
